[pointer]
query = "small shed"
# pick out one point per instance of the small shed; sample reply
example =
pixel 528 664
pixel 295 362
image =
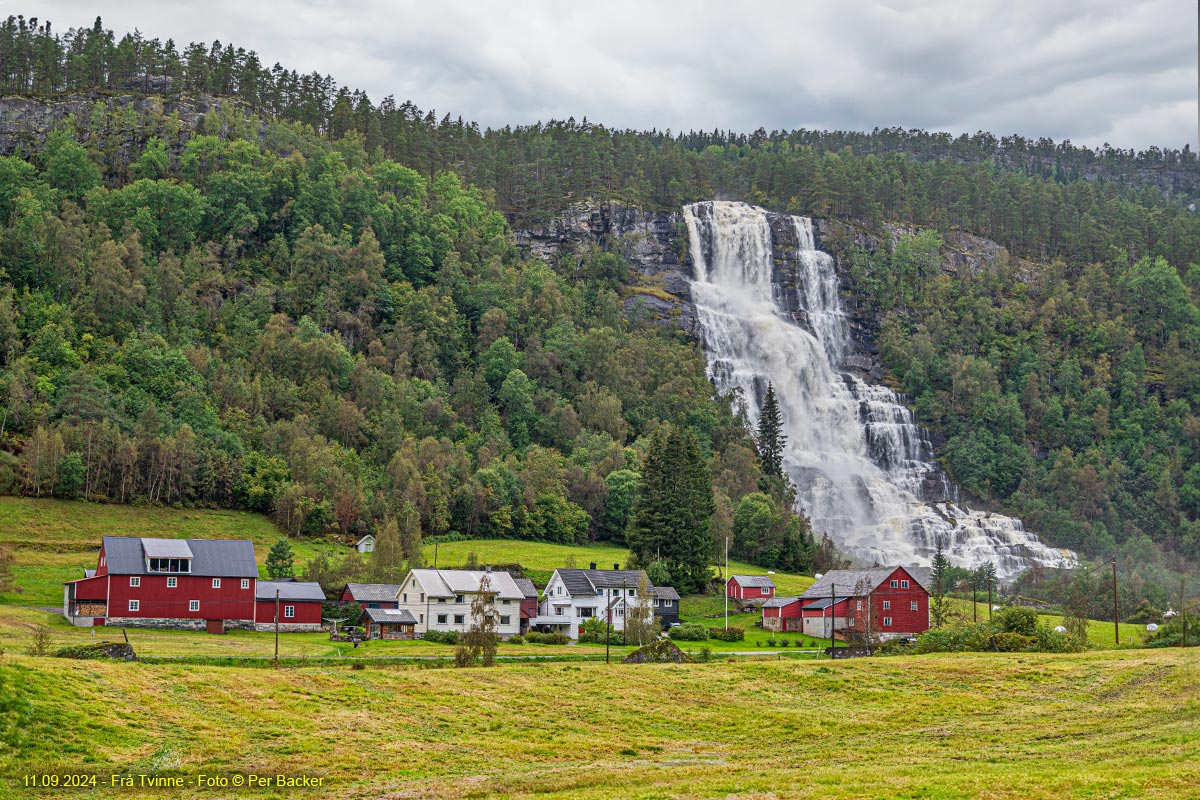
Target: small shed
pixel 752 588
pixel 366 544
pixel 389 623
pixel 299 604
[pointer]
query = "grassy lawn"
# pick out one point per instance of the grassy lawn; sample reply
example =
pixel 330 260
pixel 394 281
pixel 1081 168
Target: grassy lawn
pixel 1093 725
pixel 54 540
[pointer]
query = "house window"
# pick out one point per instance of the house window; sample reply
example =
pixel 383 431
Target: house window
pixel 504 620
pixel 505 602
pixel 135 581
pixel 914 606
pixel 458 598
pixel 558 590
pixel 586 612
pixel 458 619
pixel 216 583
pixel 441 619
pixel 422 597
pixel 245 583
pixel 172 583
pixel 633 592
pixel 887 622
pixel 894 584
pixel 441 599
pixel 404 597
pixel 887 605
pixel 169 564
pixel 859 608
pixel 135 605
pixel 422 619
pixel 903 584
pixel 193 605
pixel 289 612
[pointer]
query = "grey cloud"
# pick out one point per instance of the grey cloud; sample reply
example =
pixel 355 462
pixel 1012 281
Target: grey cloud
pixel 1092 72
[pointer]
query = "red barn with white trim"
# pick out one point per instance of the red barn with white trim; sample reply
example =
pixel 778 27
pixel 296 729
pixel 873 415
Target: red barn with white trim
pixel 750 588
pixel 886 603
pixel 299 604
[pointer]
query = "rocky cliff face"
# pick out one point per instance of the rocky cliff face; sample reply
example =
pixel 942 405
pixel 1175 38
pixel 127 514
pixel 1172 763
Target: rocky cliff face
pixel 653 243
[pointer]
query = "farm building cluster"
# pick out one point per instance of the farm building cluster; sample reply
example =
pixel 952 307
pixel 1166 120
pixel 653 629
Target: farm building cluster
pixel 213 585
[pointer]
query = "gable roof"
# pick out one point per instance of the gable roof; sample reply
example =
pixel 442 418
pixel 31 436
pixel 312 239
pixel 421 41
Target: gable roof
pixel 753 581
pixel 390 616
pixel 449 582
pixel 664 593
pixel 365 538
pixel 217 558
pixel 779 602
pixel 584 582
pixel 289 590
pixel 847 582
pixel 526 586
pixel 373 592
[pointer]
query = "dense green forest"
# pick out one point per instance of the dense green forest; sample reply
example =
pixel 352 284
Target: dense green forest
pixel 310 305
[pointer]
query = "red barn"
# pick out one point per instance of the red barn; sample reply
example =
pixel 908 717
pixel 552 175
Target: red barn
pixel 299 605
pixel 167 583
pixel 750 588
pixel 882 603
pixel 782 614
pixel 529 605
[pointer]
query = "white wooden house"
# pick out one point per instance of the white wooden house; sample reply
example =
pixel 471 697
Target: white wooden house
pixel 574 596
pixel 440 599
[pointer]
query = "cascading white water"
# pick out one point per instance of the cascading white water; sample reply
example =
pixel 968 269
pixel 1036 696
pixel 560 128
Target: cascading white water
pixel 862 467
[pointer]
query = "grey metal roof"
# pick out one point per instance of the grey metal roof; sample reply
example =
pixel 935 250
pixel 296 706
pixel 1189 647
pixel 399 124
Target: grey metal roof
pixel 374 592
pixel 89 573
pixel 449 582
pixel 849 582
pixel 583 582
pixel 823 603
pixel 527 587
pixel 289 590
pixel 390 616
pixel 779 602
pixel 665 593
pixel 218 558
pixel 753 581
pixel 166 548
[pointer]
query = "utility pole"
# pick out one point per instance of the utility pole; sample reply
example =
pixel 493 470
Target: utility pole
pixel 625 610
pixel 832 616
pixel 435 554
pixel 1116 617
pixel 727 583
pixel 608 630
pixel 974 601
pixel 277 629
pixel 989 582
pixel 1183 610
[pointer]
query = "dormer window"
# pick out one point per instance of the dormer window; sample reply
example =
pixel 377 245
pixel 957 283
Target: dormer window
pixel 181 565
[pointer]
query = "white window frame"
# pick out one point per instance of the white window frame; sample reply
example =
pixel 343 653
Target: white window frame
pixel 505 620
pixel 135 605
pixel 193 606
pixel 903 584
pixel 172 582
pixel 460 619
pixel 441 619
pixel 134 581
pixel 859 606
pixel 404 597
pixel 458 598
pixel 887 622
pixel 216 583
pixel 914 605
pixel 887 605
pixel 289 612
pixel 895 584
pixel 245 583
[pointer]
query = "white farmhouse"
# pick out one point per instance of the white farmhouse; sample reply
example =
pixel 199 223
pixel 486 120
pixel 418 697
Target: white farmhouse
pixel 440 599
pixel 574 596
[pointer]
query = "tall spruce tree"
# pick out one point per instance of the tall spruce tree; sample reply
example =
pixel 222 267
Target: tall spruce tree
pixel 938 606
pixel 279 560
pixel 674 508
pixel 771 437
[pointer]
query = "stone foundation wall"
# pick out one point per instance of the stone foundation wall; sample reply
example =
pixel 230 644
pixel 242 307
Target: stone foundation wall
pixel 169 623
pixel 289 627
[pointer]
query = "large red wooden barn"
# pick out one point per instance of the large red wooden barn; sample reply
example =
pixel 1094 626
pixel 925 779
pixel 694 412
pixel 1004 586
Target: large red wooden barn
pixel 883 603
pixel 167 583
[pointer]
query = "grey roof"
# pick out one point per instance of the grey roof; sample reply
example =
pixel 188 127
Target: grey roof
pixel 848 582
pixel 218 558
pixel 289 590
pixel 363 539
pixel 390 616
pixel 823 603
pixel 89 573
pixel 922 575
pixel 665 593
pixel 779 602
pixel 373 592
pixel 449 582
pixel 584 582
pixel 166 548
pixel 753 581
pixel 526 586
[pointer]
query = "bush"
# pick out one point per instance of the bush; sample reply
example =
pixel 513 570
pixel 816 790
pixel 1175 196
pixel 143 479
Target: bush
pixel 785 643
pixel 442 637
pixel 596 630
pixel 771 643
pixel 533 637
pixel 1016 619
pixel 690 632
pixel 731 635
pixel 758 643
pixel 516 639
pixel 1008 642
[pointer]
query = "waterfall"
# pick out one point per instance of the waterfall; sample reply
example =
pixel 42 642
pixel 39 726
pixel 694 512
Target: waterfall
pixel 769 310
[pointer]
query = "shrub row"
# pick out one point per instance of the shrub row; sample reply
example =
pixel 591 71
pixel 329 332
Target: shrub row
pixel 547 638
pixel 731 635
pixel 690 632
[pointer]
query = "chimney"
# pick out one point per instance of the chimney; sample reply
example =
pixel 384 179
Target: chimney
pixel 616 567
pixel 593 567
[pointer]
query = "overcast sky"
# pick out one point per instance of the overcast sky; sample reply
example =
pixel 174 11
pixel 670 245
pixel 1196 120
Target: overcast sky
pixel 1092 72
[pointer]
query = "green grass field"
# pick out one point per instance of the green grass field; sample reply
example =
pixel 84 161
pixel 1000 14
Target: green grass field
pixel 1093 725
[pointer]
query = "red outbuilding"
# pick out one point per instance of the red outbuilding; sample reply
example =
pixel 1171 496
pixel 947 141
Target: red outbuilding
pixel 750 588
pixel 529 605
pixel 298 604
pixel 167 583
pixel 372 595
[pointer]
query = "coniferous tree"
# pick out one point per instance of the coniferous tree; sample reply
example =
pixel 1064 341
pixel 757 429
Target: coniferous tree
pixel 771 438
pixel 279 560
pixel 938 604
